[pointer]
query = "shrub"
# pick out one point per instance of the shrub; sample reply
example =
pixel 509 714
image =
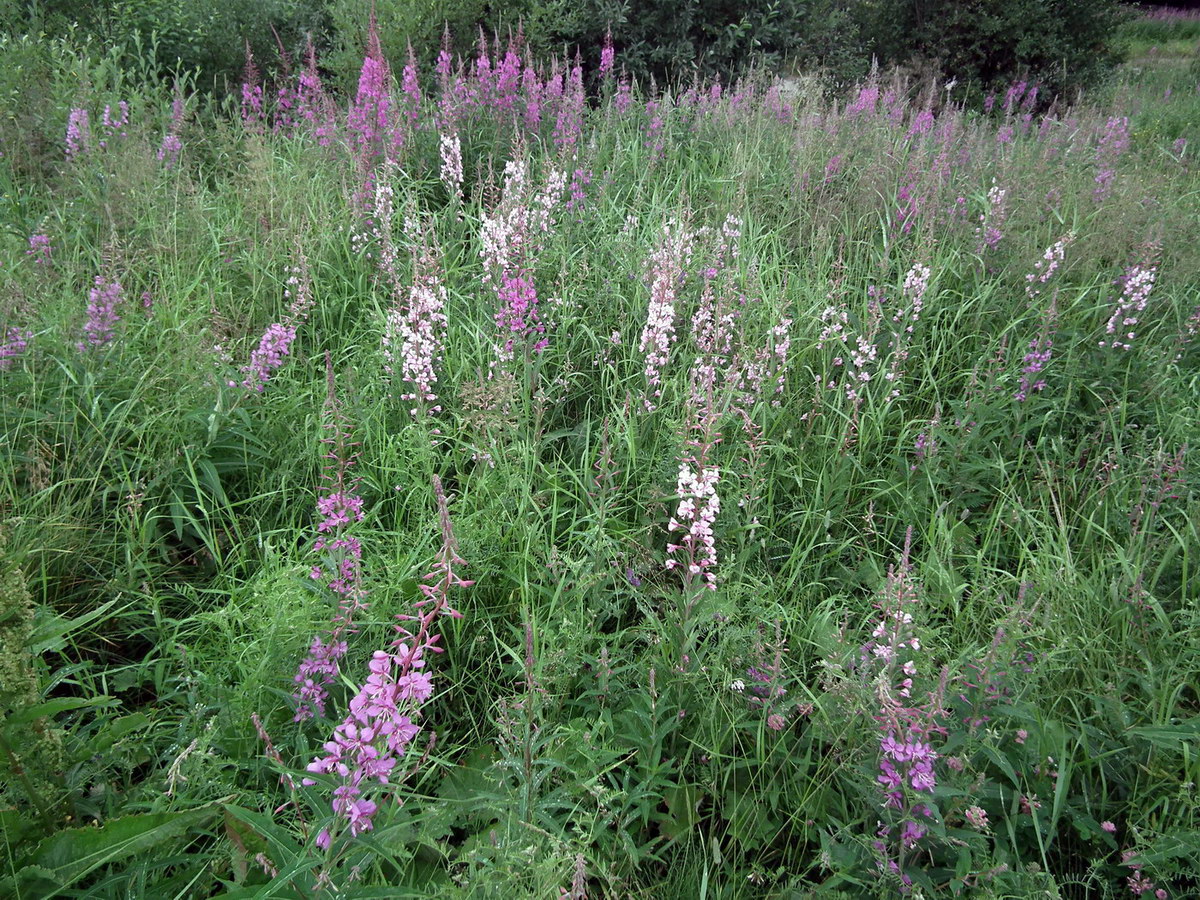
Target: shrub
pixel 674 41
pixel 1063 44
pixel 206 36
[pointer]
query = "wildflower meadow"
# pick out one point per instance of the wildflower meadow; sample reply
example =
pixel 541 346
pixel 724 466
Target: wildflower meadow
pixel 509 479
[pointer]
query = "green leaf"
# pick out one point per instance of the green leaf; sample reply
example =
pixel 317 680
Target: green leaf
pixel 71 854
pixel 15 825
pixel 114 730
pixel 280 838
pixel 53 707
pixel 1169 736
pixel 681 817
pixel 50 633
pixel 1002 763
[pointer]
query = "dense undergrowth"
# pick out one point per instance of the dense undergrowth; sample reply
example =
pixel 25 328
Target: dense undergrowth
pixel 781 496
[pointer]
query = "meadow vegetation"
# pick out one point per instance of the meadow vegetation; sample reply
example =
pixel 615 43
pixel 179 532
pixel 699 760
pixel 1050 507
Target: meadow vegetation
pixel 507 479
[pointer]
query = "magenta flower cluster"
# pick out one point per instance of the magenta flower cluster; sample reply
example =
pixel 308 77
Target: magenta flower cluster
pixel 607 57
pixel 518 313
pixel 79 133
pixel 374 735
pixel 860 368
pixel 1044 268
pixel 382 720
pixel 510 237
pixel 1038 356
pixel 711 378
pixel 1041 348
pixel 991 220
pixel 12 345
pixel 860 361
pixel 1109 149
pixel 102 317
pixel 698 507
pixel 340 507
pixel 276 342
pixel 369 114
pixel 172 144
pixel 410 86
pixel 451 173
pixel 1137 881
pixel 114 123
pixel 313 105
pixel 907 773
pixel 40 250
pixel 769 363
pixel 273 346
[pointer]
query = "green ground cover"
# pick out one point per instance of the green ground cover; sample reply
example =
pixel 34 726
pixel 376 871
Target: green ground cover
pixel 821 467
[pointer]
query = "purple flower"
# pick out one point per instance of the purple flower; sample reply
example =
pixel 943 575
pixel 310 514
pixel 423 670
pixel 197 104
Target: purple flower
pixel 168 151
pixel 1135 294
pixel 868 96
pixel 370 112
pixel 1040 351
pixel 40 249
pixel 340 507
pixel 992 220
pixel 666 275
pixel 518 314
pixel 78 133
pixel 312 104
pixel 699 505
pixel 410 85
pixel 1110 148
pixel 252 95
pixel 276 342
pixel 607 57
pixel 921 123
pixel 13 345
pixel 508 79
pixel 450 150
pixel 417 325
pixel 378 728
pixel 569 125
pixel 274 345
pixel 115 124
pixel 102 319
pixel 911 833
pixel 624 96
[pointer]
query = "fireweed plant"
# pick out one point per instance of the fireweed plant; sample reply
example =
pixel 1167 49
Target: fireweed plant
pixel 383 716
pixel 340 554
pixel 824 460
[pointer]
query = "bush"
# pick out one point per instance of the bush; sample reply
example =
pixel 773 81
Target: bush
pixel 675 41
pixel 209 37
pixel 1063 44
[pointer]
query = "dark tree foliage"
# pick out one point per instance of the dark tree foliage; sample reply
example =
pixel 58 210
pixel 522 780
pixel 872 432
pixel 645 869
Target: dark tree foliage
pixel 674 41
pixel 208 36
pixel 1063 44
